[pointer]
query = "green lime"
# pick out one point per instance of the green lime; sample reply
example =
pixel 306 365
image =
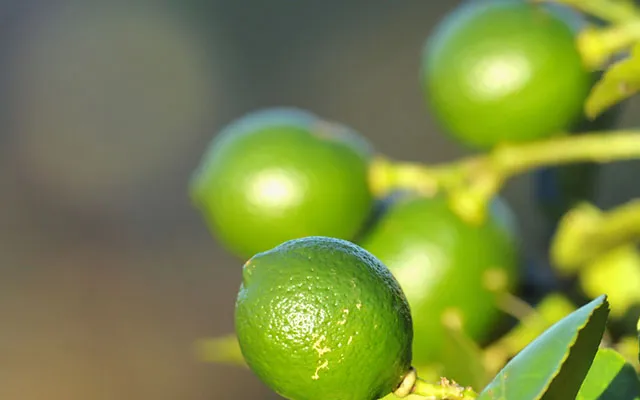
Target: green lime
pixel 450 271
pixel 280 174
pixel 504 71
pixel 320 318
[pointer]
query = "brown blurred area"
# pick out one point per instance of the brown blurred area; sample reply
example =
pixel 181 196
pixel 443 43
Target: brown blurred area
pixel 107 273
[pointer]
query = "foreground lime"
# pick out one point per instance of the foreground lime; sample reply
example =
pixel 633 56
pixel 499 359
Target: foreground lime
pixel 504 71
pixel 280 174
pixel 449 270
pixel 320 318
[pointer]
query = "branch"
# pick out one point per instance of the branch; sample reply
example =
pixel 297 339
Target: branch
pixel 598 45
pixel 446 390
pixel 606 10
pixel 472 182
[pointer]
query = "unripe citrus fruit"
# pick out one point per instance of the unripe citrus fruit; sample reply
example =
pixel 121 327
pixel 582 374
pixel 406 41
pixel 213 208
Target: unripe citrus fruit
pixel 320 318
pixel 448 269
pixel 280 174
pixel 504 71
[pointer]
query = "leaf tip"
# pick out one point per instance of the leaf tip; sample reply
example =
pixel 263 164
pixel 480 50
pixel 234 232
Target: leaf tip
pixel 604 302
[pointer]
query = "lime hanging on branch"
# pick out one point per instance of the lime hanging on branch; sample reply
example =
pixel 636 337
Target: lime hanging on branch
pixel 451 272
pixel 504 71
pixel 321 318
pixel 280 174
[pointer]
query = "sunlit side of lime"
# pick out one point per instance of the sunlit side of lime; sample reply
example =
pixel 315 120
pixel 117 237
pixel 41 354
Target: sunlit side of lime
pixel 280 174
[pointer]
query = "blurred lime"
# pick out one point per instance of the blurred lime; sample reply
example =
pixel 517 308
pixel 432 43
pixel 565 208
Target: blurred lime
pixel 280 174
pixel 504 71
pixel 450 271
pixel 320 318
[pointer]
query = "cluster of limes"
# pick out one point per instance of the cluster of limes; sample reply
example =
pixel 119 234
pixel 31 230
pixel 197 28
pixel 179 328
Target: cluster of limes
pixel 322 311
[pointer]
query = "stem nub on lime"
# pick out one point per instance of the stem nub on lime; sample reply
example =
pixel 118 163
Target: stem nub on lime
pixel 499 71
pixel 280 174
pixel 320 318
pixel 450 271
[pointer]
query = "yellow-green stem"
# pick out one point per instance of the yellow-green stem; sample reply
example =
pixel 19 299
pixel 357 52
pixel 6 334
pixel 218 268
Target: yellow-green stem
pixel 387 175
pixel 606 10
pixel 601 147
pixel 597 45
pixel 472 182
pixel 445 390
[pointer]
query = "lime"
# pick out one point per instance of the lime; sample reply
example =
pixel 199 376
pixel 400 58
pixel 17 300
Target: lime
pixel 504 71
pixel 450 271
pixel 279 174
pixel 320 318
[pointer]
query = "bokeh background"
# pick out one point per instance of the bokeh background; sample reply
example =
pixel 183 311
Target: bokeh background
pixel 107 273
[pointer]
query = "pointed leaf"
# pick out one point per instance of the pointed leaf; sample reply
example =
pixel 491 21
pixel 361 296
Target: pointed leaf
pixel 620 81
pixel 551 309
pixel 220 350
pixel 554 365
pixel 610 378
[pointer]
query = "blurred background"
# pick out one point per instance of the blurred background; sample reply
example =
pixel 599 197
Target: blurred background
pixel 107 273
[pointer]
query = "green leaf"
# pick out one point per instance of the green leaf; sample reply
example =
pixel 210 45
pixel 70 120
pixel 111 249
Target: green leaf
pixel 220 350
pixel 556 363
pixel 638 329
pixel 610 378
pixel 551 309
pixel 620 81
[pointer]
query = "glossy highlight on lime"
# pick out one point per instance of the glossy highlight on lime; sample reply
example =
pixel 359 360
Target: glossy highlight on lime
pixel 282 173
pixel 321 318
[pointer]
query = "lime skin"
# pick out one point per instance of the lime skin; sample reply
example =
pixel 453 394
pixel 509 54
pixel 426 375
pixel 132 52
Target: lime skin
pixel 282 173
pixel 449 270
pixel 320 318
pixel 504 71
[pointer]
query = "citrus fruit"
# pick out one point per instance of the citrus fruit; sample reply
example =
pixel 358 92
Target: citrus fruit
pixel 448 269
pixel 504 71
pixel 282 173
pixel 320 318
